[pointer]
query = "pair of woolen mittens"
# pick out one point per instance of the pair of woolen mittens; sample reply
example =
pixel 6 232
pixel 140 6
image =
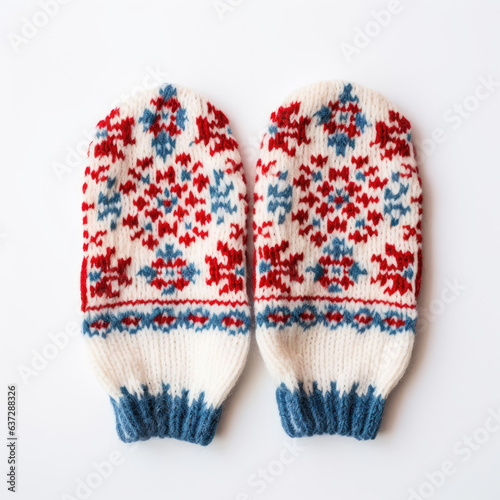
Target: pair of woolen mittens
pixel 337 260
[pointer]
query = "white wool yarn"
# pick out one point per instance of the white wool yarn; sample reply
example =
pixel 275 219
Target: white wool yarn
pixel 163 280
pixel 337 230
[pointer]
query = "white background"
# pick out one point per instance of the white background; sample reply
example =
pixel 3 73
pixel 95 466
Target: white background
pixel 58 83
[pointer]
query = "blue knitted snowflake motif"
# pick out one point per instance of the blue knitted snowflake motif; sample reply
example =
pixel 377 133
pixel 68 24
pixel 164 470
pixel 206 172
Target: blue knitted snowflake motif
pixel 165 120
pixel 109 204
pixel 394 206
pixel 343 120
pixel 337 270
pixel 280 198
pixel 220 193
pixel 169 272
pixel 167 201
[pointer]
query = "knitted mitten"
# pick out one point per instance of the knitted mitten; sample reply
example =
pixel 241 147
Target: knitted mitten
pixel 163 277
pixel 337 257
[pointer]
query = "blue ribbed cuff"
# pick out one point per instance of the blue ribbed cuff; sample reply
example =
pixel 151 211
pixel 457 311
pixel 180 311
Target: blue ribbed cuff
pixel 308 414
pixel 139 418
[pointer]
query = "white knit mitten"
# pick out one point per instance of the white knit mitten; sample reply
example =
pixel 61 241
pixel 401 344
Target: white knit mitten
pixel 163 278
pixel 337 256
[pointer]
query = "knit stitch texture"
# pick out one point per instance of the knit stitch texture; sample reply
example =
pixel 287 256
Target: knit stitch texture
pixel 337 232
pixel 163 281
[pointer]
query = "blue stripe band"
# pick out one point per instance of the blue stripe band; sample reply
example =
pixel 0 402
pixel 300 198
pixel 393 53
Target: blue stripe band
pixel 147 416
pixel 304 414
pixel 166 319
pixel 333 316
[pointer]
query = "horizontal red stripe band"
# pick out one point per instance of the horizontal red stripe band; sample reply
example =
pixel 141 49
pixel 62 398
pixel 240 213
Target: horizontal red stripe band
pixel 336 300
pixel 167 302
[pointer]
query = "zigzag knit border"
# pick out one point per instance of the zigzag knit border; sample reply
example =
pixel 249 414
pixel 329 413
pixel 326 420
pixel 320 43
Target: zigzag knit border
pixel 333 316
pixel 166 319
pixel 305 298
pixel 174 302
